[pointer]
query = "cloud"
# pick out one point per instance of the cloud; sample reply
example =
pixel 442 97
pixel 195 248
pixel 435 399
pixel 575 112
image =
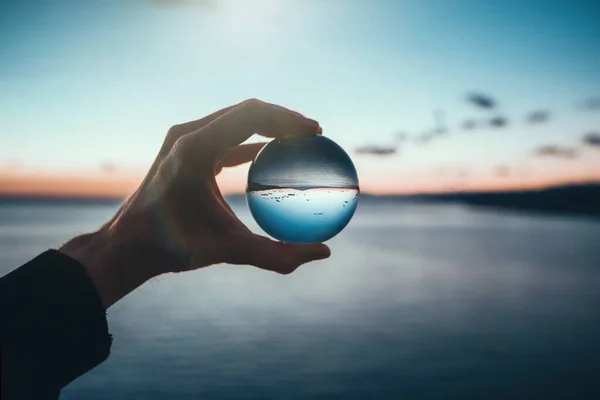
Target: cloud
pixel 377 150
pixel 468 124
pixel 400 136
pixel 538 116
pixel 591 104
pixel 481 100
pixel 109 167
pixel 205 4
pixel 498 122
pixel 592 139
pixel 556 151
pixel 424 138
pixel 439 118
pixel 502 171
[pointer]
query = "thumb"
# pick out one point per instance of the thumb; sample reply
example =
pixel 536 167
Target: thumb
pixel 291 255
pixel 280 257
pixel 308 252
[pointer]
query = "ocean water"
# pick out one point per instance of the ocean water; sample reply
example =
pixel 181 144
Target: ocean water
pixel 303 216
pixel 417 301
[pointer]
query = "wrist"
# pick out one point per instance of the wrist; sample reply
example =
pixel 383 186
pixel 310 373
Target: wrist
pixel 115 265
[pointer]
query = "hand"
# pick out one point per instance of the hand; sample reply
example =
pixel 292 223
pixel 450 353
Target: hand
pixel 177 219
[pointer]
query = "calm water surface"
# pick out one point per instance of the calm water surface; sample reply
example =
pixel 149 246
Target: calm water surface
pixel 417 301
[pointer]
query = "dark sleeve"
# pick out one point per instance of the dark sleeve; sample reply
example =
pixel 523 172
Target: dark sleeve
pixel 52 324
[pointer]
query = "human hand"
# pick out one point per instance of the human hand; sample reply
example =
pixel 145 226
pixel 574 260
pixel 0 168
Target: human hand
pixel 177 219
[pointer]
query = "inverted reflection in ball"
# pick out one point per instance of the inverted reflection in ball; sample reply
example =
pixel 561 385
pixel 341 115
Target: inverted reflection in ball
pixel 302 190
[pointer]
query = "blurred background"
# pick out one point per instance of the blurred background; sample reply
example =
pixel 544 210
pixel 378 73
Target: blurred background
pixel 471 268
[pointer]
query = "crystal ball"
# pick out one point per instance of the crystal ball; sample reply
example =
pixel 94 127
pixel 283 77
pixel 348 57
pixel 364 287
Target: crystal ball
pixel 302 190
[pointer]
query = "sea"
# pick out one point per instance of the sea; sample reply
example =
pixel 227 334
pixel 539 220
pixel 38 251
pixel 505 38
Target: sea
pixel 418 301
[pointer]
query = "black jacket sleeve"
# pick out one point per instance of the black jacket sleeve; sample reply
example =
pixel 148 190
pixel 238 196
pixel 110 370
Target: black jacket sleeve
pixel 52 327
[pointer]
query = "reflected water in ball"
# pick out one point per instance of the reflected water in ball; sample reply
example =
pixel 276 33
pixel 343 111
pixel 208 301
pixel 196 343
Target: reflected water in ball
pixel 302 190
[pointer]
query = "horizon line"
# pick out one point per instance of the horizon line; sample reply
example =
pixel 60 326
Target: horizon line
pixel 111 198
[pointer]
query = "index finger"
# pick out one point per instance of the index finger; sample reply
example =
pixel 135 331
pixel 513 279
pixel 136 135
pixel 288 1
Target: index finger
pixel 251 116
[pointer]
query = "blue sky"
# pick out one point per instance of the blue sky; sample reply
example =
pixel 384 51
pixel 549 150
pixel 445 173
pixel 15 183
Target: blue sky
pixel 84 83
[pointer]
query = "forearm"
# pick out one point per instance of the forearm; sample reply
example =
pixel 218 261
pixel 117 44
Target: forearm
pixel 114 263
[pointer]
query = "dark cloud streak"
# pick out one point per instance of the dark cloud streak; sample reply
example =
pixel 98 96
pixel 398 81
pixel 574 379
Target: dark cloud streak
pixel 375 150
pixel 498 122
pixel 591 104
pixel 482 101
pixel 556 151
pixel 538 116
pixel 592 139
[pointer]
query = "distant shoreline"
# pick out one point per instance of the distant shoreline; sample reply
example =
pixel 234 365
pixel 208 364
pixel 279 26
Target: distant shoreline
pixel 565 199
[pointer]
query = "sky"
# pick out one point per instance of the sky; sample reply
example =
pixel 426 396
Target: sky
pixel 88 89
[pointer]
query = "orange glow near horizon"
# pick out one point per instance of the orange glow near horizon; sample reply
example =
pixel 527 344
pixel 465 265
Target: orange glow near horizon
pixel 233 181
pixel 60 184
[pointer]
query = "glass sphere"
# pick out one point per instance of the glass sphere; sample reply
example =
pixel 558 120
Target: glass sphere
pixel 302 190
